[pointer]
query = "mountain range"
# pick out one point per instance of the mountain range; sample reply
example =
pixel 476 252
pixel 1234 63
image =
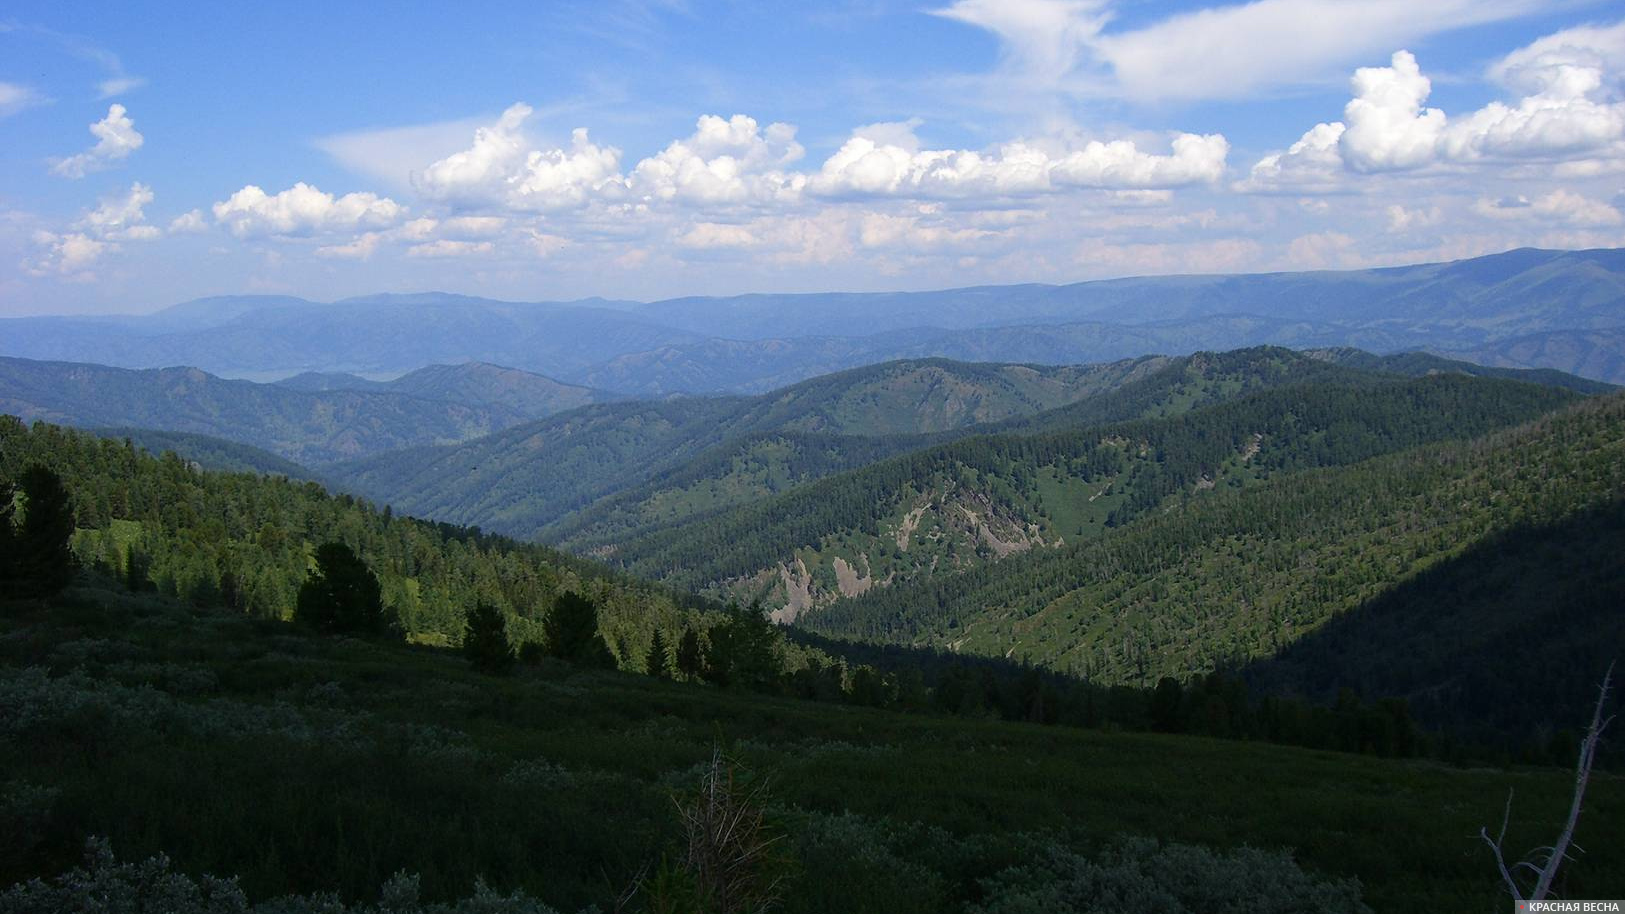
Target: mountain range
pixel 1522 308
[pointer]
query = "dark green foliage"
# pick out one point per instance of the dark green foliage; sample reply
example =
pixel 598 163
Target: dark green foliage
pixel 485 640
pixel 41 560
pixel 744 651
pixel 656 662
pixel 690 658
pixel 571 632
pixel 1165 706
pixel 341 594
pixel 308 764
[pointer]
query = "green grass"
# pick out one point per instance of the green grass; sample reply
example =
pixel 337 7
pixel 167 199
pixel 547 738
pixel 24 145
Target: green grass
pixel 304 764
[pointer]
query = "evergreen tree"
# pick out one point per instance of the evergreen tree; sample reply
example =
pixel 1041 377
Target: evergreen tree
pixel 341 594
pixel 485 640
pixel 655 663
pixel 744 651
pixel 690 659
pixel 571 632
pixel 42 561
pixel 1165 705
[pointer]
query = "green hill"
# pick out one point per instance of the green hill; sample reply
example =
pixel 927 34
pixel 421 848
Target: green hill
pixel 210 453
pixel 519 481
pixel 951 507
pixel 1241 575
pixel 472 383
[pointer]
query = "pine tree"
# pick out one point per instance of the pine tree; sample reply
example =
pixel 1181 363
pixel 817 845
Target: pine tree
pixel 655 663
pixel 690 659
pixel 341 594
pixel 8 536
pixel 485 640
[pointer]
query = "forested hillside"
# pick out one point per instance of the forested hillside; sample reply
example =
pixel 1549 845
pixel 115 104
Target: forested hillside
pixel 982 499
pixel 1240 575
pixel 246 541
pixel 525 478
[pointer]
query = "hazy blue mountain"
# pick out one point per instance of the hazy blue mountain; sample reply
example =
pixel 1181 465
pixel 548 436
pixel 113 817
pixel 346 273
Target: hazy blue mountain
pixel 378 335
pixel 1495 308
pixel 1592 353
pixel 314 381
pixel 307 427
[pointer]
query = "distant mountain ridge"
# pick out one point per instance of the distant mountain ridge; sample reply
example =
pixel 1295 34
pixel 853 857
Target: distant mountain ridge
pixel 311 426
pixel 1524 308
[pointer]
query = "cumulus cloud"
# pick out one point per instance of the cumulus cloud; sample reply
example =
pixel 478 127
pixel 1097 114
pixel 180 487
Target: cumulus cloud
pixel 116 138
pixel 303 210
pixel 499 170
pixel 15 98
pixel 864 166
pixel 122 218
pixel 1567 119
pixel 729 161
pixel 72 253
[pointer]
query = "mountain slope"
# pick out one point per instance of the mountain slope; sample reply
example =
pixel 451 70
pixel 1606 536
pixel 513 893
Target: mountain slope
pixel 987 498
pixel 1240 574
pixel 308 428
pixel 525 478
pixel 209 453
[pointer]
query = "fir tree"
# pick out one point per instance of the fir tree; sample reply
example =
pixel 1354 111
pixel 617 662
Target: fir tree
pixel 655 663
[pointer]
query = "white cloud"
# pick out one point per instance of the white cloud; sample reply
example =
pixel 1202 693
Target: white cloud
pixel 190 223
pixel 1312 163
pixel 1551 60
pixel 723 162
pixel 303 210
pixel 498 170
pixel 1567 121
pixel 1045 40
pixel 711 235
pixel 15 98
pixel 1404 219
pixel 465 227
pixel 1222 52
pixel 444 248
pixel 122 218
pixel 865 167
pixel 361 248
pixel 70 255
pixel 1560 206
pixel 116 138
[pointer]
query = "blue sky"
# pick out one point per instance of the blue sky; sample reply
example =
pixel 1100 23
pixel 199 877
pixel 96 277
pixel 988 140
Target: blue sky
pixel 151 153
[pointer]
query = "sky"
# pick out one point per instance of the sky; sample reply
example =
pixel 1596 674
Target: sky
pixel 648 149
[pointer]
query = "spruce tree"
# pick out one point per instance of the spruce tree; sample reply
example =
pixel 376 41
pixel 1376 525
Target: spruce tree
pixel 485 640
pixel 8 536
pixel 655 663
